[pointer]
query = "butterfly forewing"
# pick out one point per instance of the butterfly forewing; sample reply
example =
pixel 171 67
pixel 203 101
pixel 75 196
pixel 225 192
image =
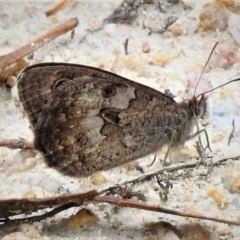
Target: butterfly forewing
pixel 86 119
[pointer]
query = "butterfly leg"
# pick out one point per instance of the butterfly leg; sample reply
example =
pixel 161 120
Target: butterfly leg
pixel 198 133
pixel 154 159
pixel 199 149
pixel 199 145
pixel 164 161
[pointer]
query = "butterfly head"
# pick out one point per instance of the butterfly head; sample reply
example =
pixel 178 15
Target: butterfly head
pixel 198 106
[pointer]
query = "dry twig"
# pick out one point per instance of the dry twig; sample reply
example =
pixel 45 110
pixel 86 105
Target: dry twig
pixel 16 206
pixel 232 132
pixel 11 207
pixel 58 7
pixel 16 143
pixel 38 218
pixel 40 41
pixel 125 45
pixel 134 204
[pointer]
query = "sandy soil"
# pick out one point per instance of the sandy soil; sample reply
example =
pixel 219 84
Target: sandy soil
pixel 174 61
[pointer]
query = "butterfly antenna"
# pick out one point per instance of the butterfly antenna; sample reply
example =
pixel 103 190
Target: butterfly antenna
pixel 234 80
pixel 215 45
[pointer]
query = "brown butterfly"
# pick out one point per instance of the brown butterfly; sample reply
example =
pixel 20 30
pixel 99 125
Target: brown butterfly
pixel 86 119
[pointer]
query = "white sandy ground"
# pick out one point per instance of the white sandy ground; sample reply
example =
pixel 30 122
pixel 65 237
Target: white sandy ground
pixel 24 175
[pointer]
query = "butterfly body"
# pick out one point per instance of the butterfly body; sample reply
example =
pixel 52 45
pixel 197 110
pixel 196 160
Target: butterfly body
pixel 86 119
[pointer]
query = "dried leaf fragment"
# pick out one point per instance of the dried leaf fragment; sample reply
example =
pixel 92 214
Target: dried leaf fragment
pixel 83 217
pixel 98 178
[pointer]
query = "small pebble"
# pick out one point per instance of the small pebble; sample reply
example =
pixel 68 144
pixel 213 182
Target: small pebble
pixel 146 47
pixel 160 60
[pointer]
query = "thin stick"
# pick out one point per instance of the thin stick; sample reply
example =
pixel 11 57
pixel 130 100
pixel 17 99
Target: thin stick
pixel 232 132
pixel 134 204
pixel 38 218
pixel 115 201
pixel 58 7
pixel 125 44
pixel 13 144
pixel 173 168
pixel 147 176
pixel 16 206
pixel 40 41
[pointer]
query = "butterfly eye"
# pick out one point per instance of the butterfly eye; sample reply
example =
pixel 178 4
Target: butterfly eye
pixel 109 91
